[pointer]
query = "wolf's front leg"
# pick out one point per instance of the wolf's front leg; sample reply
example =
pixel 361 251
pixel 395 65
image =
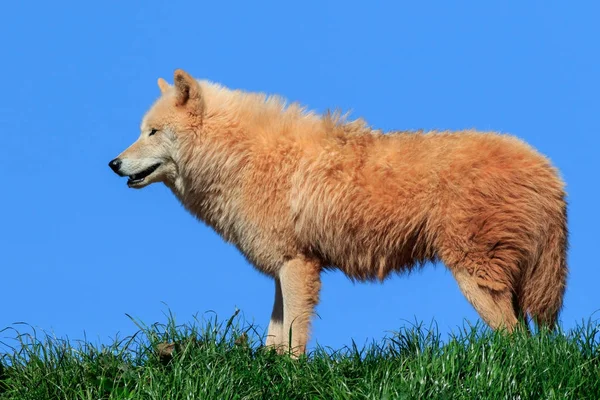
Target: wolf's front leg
pixel 300 284
pixel 275 333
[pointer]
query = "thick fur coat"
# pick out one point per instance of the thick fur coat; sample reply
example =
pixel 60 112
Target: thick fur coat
pixel 298 193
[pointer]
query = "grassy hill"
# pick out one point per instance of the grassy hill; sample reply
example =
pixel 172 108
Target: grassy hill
pixel 224 360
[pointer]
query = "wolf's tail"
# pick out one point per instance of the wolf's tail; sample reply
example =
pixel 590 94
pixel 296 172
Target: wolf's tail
pixel 545 282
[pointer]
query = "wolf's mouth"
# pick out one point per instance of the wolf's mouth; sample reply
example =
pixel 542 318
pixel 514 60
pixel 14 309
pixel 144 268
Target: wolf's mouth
pixel 139 177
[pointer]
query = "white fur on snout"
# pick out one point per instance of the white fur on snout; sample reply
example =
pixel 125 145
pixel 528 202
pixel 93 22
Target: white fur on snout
pixel 135 166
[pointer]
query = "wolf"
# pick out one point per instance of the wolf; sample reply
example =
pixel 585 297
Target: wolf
pixel 299 193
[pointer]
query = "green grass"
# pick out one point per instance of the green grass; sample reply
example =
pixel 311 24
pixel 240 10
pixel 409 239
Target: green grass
pixel 224 360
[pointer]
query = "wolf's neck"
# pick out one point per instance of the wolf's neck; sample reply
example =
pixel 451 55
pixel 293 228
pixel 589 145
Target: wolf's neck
pixel 209 180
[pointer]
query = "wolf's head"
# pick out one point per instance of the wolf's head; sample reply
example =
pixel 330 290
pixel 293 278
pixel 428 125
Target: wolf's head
pixel 152 157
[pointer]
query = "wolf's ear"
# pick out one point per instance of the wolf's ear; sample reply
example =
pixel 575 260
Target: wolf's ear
pixel 163 85
pixel 188 90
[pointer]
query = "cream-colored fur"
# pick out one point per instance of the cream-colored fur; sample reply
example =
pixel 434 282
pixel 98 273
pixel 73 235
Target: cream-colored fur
pixel 297 193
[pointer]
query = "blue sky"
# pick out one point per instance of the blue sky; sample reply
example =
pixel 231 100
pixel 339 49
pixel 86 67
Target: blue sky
pixel 79 249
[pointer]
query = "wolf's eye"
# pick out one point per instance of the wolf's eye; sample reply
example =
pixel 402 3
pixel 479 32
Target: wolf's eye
pixel 152 132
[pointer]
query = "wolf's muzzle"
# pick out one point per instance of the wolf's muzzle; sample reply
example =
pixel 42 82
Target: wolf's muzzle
pixel 115 165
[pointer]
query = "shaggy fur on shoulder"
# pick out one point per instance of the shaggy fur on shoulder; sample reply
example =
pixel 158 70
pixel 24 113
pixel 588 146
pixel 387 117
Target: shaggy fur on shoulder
pixel 298 193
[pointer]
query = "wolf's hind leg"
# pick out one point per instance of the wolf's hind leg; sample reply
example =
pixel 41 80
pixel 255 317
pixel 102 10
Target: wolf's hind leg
pixel 495 307
pixel 300 285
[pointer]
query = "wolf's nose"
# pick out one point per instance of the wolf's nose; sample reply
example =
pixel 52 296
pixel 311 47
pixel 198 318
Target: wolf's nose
pixel 115 165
